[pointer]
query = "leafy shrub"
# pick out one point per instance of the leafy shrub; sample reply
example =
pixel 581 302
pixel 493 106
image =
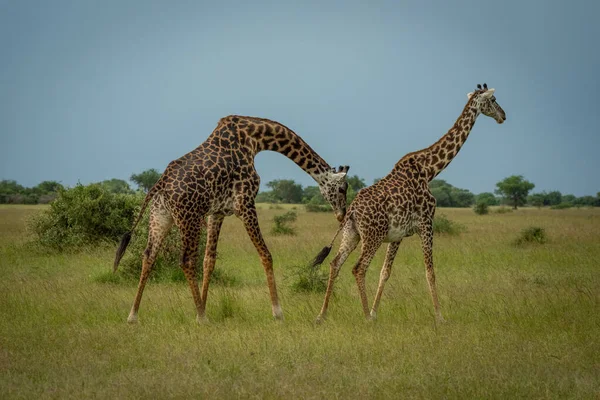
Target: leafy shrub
pixel 166 267
pixel 311 207
pixel 84 215
pixel 308 279
pixel 561 206
pixel 281 224
pixel 533 234
pixel 275 207
pixel 503 210
pixel 481 208
pixel 441 224
pixel 90 215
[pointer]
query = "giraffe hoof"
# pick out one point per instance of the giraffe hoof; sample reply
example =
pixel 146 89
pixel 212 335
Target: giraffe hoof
pixel 201 320
pixel 373 315
pixel 320 319
pixel 278 318
pixel 278 313
pixel 132 319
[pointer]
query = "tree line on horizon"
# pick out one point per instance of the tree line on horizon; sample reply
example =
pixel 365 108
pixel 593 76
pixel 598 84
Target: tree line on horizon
pixel 513 191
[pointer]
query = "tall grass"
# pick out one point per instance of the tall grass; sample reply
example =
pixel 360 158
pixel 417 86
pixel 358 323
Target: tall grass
pixel 522 321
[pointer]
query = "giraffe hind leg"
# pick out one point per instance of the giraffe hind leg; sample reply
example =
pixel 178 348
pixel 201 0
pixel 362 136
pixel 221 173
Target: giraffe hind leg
pixel 250 219
pixel 161 222
pixel 427 246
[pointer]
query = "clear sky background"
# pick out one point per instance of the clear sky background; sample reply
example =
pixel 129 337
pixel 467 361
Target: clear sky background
pixel 93 90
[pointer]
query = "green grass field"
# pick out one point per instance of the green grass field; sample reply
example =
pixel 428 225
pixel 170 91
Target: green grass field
pixel 523 322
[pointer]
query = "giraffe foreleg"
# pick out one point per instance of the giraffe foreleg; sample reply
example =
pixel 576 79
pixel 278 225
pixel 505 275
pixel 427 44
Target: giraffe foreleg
pixel 250 219
pixel 386 270
pixel 213 228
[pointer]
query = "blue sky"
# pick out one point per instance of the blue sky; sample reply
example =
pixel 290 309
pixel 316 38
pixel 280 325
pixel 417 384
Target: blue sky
pixel 92 90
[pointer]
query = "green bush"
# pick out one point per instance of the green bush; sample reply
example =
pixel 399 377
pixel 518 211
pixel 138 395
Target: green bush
pixel 533 234
pixel 561 206
pixel 481 208
pixel 84 215
pixel 308 279
pixel 441 224
pixel 166 266
pixel 91 215
pixel 311 207
pixel 281 224
pixel 503 210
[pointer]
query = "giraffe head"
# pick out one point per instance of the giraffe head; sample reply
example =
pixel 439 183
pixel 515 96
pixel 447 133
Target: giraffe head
pixel 333 188
pixel 485 101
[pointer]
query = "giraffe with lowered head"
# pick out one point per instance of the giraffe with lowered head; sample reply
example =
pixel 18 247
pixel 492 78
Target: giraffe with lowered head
pixel 401 204
pixel 218 179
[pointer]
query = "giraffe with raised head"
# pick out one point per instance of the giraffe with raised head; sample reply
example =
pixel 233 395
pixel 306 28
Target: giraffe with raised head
pixel 218 179
pixel 401 204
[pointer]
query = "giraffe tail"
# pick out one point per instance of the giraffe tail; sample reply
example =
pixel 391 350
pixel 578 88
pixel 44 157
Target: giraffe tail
pixel 127 236
pixel 318 260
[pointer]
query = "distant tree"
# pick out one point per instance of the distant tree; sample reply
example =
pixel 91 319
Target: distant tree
pixel 116 186
pixel 10 187
pixel 265 197
pixel 569 198
pixel 13 193
pixel 376 180
pixel 447 195
pixel 487 198
pixel 312 195
pixel 145 180
pixel 536 199
pixel 461 197
pixel 553 198
pixel 356 183
pixel 47 187
pixel 350 195
pixel 441 191
pixel 588 201
pixel 514 188
pixel 286 190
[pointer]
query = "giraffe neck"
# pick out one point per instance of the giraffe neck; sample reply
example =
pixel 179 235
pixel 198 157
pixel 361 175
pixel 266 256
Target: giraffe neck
pixel 436 157
pixel 269 135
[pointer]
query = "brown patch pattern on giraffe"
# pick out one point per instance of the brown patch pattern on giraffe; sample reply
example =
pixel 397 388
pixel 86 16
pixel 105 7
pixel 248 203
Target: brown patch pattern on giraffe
pixel 218 179
pixel 401 205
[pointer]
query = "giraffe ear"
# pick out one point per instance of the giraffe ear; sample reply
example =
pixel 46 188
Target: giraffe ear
pixel 339 175
pixel 469 95
pixel 488 93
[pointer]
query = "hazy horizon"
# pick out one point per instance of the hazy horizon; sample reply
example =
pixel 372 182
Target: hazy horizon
pixel 98 90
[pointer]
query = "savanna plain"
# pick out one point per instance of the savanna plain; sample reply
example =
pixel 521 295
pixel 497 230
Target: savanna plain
pixel 522 320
